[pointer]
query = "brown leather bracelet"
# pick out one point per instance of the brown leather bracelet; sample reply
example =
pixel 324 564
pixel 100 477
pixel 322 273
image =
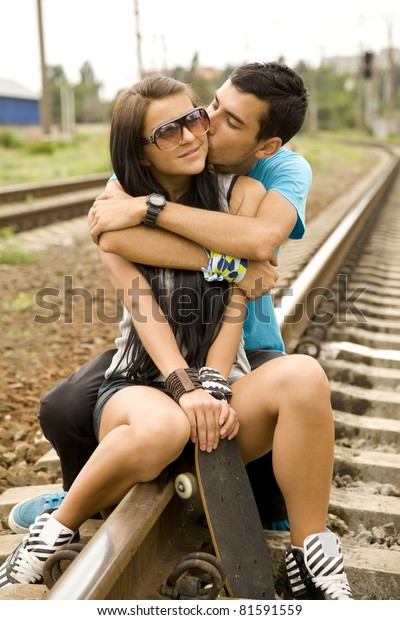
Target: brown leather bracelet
pixel 182 380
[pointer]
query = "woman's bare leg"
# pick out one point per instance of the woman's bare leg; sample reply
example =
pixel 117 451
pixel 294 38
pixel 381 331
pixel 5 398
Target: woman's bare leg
pixel 285 405
pixel 142 431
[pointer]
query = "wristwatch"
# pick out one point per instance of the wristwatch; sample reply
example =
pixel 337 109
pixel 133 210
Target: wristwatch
pixel 155 204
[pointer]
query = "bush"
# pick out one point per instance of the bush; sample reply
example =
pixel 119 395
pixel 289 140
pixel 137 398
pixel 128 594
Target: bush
pixel 10 139
pixel 40 148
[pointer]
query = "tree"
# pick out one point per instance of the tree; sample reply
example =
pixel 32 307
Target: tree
pixel 57 79
pixel 88 107
pixel 204 85
pixel 336 103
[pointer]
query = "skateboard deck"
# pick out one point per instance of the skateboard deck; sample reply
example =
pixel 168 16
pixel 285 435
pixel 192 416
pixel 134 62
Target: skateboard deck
pixel 234 522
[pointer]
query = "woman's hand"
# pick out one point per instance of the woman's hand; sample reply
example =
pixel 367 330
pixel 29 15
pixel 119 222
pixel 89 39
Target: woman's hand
pixel 114 209
pixel 210 419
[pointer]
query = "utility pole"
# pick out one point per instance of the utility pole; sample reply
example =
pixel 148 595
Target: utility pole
pixel 368 74
pixel 164 61
pixel 390 80
pixel 360 125
pixel 360 112
pixel 313 101
pixel 45 107
pixel 138 39
pixel 67 102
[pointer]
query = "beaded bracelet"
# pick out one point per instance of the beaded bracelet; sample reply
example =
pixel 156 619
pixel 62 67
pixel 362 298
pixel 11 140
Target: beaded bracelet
pixel 182 380
pixel 224 267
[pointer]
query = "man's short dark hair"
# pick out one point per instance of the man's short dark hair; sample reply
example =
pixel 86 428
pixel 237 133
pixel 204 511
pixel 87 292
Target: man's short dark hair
pixel 282 89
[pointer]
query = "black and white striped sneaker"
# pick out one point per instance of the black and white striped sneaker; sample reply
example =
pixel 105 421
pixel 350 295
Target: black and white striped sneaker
pixel 25 564
pixel 317 572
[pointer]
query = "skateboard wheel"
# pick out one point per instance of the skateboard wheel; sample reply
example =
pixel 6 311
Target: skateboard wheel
pixel 186 485
pixel 308 346
pixel 315 331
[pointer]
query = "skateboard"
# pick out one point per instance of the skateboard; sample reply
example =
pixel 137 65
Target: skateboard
pixel 233 520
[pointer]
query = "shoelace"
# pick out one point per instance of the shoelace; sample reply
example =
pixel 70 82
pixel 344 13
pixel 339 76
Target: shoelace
pixel 53 502
pixel 335 585
pixel 27 569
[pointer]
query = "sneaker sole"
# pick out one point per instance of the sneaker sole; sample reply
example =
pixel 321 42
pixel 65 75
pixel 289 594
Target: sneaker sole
pixel 15 527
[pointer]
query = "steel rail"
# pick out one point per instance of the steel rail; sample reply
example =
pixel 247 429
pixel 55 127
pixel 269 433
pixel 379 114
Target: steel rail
pixel 24 207
pixel 137 547
pixel 57 208
pixel 20 192
pixel 295 310
pixel 103 560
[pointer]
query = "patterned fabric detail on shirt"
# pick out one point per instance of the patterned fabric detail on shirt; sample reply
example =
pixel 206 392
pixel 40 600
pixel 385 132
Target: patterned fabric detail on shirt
pixel 223 267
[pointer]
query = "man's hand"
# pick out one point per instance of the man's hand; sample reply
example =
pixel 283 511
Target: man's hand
pixel 260 278
pixel 114 209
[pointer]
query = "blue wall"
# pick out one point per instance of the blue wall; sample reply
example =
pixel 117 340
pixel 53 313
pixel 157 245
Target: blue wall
pixel 14 111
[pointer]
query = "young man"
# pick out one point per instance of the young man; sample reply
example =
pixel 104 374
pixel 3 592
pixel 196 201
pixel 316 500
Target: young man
pixel 253 115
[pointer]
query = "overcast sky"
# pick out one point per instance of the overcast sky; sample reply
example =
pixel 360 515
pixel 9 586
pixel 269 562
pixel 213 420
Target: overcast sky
pixel 223 32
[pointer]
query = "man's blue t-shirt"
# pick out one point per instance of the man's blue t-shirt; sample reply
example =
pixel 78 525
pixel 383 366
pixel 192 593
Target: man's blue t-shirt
pixel 289 174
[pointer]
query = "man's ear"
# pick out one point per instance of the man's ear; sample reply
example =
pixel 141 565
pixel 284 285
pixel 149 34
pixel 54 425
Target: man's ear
pixel 268 148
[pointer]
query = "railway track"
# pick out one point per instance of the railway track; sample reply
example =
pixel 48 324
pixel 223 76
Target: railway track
pixel 24 207
pixel 339 300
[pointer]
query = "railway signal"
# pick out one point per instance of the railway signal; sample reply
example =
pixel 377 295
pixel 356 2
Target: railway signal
pixel 368 65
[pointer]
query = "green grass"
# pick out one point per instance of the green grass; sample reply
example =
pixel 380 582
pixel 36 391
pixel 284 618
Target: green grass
pixel 10 252
pixel 13 255
pixel 327 154
pixel 26 159
pixel 22 302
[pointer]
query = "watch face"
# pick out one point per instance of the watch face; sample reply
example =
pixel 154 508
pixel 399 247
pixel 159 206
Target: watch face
pixel 157 200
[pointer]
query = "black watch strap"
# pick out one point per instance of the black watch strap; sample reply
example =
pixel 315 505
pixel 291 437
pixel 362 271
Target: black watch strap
pixel 155 204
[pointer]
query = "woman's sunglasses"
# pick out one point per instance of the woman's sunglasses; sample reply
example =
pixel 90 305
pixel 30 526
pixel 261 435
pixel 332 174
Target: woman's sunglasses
pixel 168 136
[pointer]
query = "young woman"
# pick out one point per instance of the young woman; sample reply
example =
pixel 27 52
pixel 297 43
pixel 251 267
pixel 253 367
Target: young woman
pixel 180 372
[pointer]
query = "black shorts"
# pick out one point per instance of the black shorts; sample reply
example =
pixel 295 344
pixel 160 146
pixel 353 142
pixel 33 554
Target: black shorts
pixel 258 357
pixel 110 387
